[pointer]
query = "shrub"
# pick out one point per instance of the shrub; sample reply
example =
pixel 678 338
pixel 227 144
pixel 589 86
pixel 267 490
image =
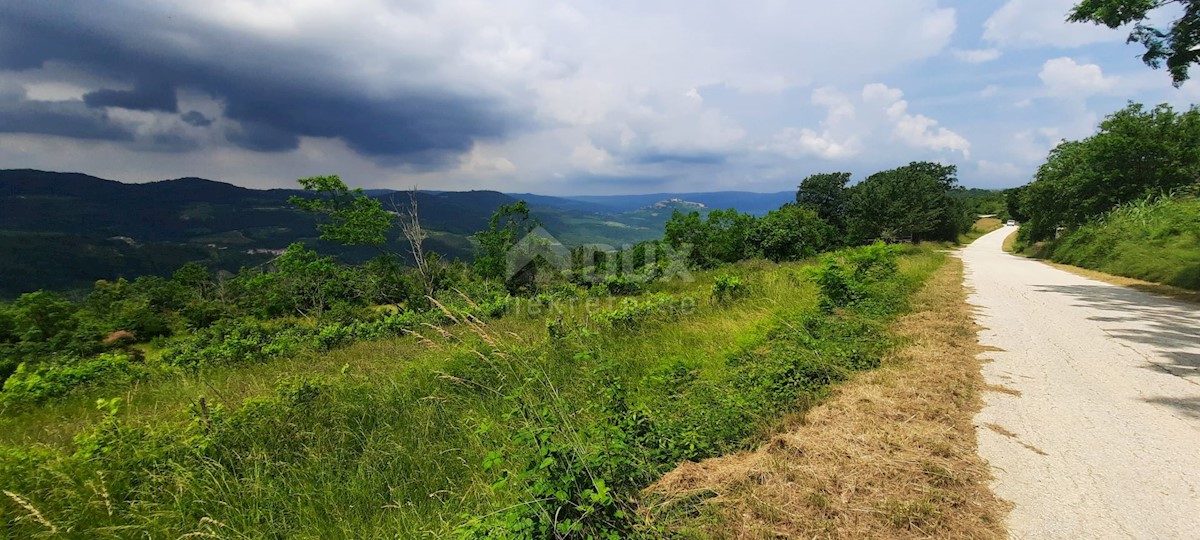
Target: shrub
pixel 728 287
pixel 621 286
pixel 847 277
pixel 633 312
pixel 29 386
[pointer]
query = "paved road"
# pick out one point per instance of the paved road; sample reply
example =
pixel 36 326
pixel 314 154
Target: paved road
pixel 1097 434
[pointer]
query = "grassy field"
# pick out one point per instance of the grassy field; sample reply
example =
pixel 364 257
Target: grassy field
pixel 546 421
pixel 1156 240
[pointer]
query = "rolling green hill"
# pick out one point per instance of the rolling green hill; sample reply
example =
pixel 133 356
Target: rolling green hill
pixel 63 231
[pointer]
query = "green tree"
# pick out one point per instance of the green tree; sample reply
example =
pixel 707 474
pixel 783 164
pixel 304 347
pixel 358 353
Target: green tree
pixel 721 237
pixel 728 231
pixel 1135 154
pixel 1177 44
pixel 303 284
pixel 685 231
pixel 915 202
pixel 354 219
pixel 790 233
pixel 42 316
pixel 827 194
pixel 508 225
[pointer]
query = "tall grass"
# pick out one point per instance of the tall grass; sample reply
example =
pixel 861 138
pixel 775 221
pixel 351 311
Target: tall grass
pixel 532 425
pixel 1154 239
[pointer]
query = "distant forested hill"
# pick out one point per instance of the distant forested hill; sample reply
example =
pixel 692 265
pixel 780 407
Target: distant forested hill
pixel 744 201
pixel 65 230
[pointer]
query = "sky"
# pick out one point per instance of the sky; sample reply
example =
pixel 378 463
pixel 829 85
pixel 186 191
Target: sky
pixel 579 97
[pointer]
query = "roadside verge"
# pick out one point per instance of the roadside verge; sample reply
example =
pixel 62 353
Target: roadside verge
pixel 891 453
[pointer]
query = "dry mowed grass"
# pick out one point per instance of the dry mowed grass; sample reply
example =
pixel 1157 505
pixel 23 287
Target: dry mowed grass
pixel 1010 243
pixel 988 224
pixel 891 453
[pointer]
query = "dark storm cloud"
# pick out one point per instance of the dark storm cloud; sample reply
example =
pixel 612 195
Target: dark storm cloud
pixel 262 137
pixel 143 97
pixel 62 118
pixel 196 118
pixel 278 92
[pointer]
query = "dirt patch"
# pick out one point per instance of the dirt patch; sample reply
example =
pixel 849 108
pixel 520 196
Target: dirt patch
pixel 891 454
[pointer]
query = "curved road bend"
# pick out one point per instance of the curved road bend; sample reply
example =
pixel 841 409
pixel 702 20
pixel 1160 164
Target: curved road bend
pixel 1095 432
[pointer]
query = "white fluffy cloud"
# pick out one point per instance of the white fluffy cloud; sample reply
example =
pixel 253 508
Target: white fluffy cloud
pixel 1064 77
pixel 876 118
pixel 589 87
pixel 1033 23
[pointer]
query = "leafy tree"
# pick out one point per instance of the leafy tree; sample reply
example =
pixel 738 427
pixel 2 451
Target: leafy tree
pixel 1012 204
pixel 304 284
pixel 1135 154
pixel 194 276
pixel 354 218
pixel 790 233
pixel 1178 44
pixel 508 225
pixel 721 237
pixel 826 193
pixel 687 230
pixel 914 202
pixel 728 231
pixel 41 316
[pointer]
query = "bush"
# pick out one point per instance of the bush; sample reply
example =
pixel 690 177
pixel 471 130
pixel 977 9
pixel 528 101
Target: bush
pixel 728 287
pixel 621 286
pixel 30 386
pixel 846 278
pixel 634 312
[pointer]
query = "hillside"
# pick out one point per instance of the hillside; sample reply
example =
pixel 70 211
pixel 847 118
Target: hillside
pixel 744 201
pixel 447 428
pixel 66 230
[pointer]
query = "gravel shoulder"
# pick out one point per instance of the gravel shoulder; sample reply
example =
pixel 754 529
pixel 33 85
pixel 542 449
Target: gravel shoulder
pixel 1093 430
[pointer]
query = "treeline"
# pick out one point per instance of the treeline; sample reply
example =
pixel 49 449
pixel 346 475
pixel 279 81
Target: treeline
pixel 1129 189
pixel 921 201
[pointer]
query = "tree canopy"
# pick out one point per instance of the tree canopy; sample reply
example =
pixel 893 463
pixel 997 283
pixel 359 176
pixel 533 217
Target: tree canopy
pixel 826 194
pixel 1136 153
pixel 914 202
pixel 1177 45
pixel 354 218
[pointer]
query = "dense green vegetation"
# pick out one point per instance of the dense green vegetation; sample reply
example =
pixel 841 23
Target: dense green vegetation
pixel 1122 200
pixel 1155 239
pixel 479 431
pixel 525 402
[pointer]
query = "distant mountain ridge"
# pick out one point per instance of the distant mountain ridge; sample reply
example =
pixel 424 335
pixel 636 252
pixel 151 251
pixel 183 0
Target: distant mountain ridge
pixel 66 230
pixel 744 201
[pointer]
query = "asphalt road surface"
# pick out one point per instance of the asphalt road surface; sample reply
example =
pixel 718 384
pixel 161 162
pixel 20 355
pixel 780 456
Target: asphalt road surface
pixel 1094 428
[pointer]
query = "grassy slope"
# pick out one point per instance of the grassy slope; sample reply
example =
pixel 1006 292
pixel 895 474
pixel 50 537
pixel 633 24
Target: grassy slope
pixel 379 439
pixel 1156 241
pixel 892 453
